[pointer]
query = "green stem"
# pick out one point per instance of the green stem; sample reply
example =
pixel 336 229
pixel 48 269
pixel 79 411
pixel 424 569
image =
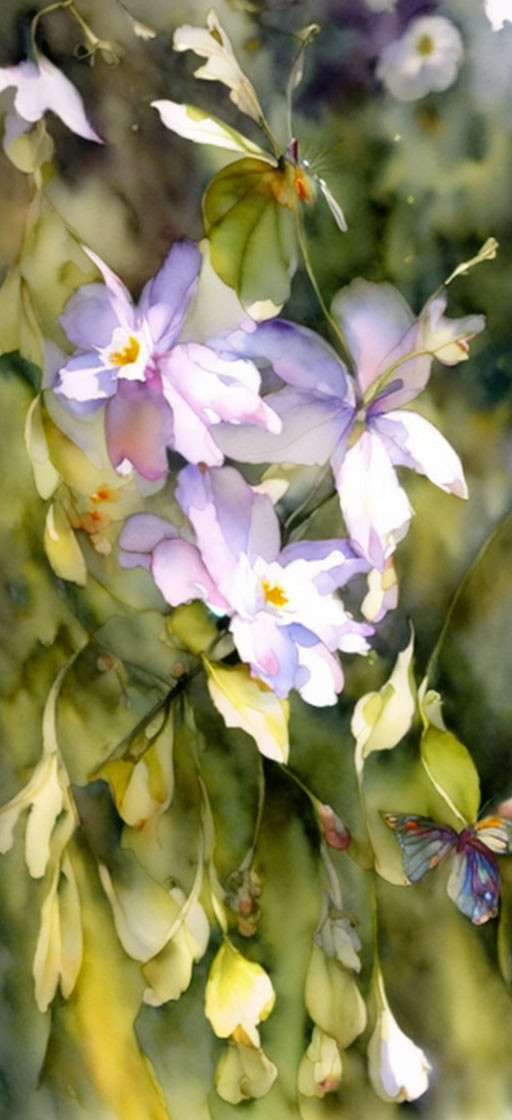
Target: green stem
pixel 335 326
pixel 295 519
pixel 461 588
pixel 45 12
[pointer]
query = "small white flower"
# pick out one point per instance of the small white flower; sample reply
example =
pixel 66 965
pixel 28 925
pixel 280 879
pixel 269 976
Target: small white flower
pixel 498 12
pixel 397 1068
pixel 426 58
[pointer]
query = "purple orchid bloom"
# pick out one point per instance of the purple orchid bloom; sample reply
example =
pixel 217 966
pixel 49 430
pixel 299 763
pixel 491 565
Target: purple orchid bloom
pixel 286 619
pixel 41 86
pixel 354 422
pixel 160 393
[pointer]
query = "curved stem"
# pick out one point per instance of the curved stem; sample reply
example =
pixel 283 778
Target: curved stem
pixel 461 588
pixel 335 327
pixel 44 12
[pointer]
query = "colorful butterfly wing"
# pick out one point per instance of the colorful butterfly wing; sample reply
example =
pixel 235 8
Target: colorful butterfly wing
pixel 474 883
pixel 423 842
pixel 495 833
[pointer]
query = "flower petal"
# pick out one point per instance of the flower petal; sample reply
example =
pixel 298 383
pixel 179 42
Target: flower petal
pixel 270 651
pixel 376 509
pixel 199 126
pixel 89 319
pixel 221 65
pixel 311 429
pixel 217 388
pixel 181 576
pixel 41 86
pixel 85 378
pixel 165 298
pixel 228 519
pixel 140 536
pixel 374 319
pixel 139 429
pixel 298 355
pixel 325 677
pixel 412 441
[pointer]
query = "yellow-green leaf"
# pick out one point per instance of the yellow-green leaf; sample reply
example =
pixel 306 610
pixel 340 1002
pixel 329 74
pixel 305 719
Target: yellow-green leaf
pixel 248 215
pixel 452 771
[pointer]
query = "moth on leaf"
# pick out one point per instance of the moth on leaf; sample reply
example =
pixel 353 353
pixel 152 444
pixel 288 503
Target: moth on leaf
pixel 474 882
pixel 250 208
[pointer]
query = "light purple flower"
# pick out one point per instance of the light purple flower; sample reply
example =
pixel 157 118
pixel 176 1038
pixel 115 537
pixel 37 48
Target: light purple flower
pixel 427 57
pixel 160 393
pixel 41 86
pixel 286 619
pixel 358 424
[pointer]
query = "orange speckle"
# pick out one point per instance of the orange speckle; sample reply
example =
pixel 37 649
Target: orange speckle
pixel 302 187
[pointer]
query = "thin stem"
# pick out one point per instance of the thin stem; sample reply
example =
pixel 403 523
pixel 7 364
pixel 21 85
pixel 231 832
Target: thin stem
pixel 45 12
pixel 335 327
pixel 259 815
pixel 461 588
pixel 377 385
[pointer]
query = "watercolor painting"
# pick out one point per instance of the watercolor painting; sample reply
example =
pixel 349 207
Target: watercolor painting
pixel 256 661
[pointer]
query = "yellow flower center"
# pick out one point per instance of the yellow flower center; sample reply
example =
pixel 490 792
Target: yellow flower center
pixel 127 355
pixel 274 594
pixel 425 45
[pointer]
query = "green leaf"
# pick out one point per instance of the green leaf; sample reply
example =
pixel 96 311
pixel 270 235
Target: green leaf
pixel 452 771
pixel 248 214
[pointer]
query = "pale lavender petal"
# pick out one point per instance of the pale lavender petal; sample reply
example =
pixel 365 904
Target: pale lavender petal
pixel 268 649
pixel 412 441
pixel 89 318
pixel 311 430
pixel 84 378
pixel 43 86
pixel 228 519
pixel 181 576
pixel 120 298
pixel 335 562
pixel 139 429
pixel 216 388
pixel 298 355
pixel 376 509
pixel 139 536
pixel 192 438
pixel 374 319
pixel 165 299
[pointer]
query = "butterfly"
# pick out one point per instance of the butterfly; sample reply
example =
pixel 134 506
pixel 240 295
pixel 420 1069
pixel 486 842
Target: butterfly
pixel 474 882
pixel 250 208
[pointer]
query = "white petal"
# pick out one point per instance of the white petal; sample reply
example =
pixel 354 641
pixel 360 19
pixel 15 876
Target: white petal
pixel 199 126
pixel 375 508
pixel 221 65
pixel 413 442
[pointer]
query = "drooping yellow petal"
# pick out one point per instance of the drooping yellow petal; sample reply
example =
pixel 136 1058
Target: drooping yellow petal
pixel 381 719
pixel 239 994
pixel 62 548
pixel 247 703
pixel 46 477
pixel 244 1073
